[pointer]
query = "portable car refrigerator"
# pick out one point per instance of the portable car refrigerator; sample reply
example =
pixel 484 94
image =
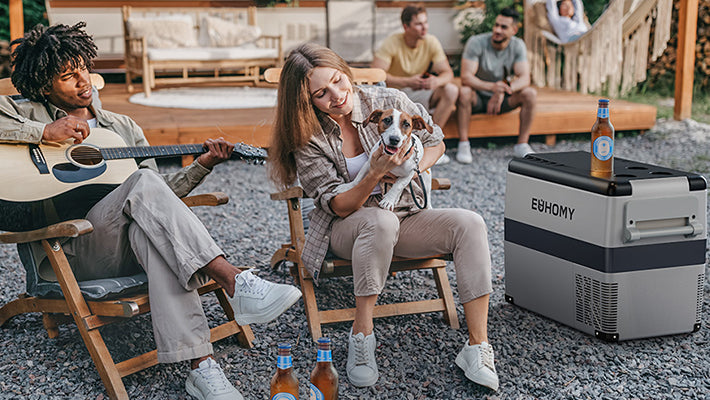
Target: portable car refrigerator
pixel 618 258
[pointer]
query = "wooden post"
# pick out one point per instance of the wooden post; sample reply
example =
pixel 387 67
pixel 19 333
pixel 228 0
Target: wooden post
pixel 17 22
pixel 685 61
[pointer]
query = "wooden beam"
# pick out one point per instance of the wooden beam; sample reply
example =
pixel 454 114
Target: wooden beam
pixel 17 22
pixel 685 61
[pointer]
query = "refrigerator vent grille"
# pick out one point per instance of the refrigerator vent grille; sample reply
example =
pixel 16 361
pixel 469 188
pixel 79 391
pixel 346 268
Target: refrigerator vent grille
pixel 699 301
pixel 596 303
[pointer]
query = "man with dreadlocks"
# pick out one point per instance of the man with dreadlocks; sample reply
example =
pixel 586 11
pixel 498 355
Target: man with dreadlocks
pixel 142 223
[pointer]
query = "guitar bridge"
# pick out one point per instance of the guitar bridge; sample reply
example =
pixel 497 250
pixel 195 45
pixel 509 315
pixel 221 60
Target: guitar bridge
pixel 38 159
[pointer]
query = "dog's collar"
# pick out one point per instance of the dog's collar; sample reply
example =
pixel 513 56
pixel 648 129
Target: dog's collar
pixel 410 148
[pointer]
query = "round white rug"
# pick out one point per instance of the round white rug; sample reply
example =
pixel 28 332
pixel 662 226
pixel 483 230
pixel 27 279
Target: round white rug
pixel 209 98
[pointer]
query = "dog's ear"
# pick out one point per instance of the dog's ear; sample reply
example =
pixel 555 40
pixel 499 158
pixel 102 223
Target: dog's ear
pixel 419 123
pixel 374 117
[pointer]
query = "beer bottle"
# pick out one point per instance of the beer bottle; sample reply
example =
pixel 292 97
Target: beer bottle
pixel 284 385
pixel 324 378
pixel 602 143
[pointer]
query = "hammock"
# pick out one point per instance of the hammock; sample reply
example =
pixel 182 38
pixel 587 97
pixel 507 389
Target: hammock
pixel 613 54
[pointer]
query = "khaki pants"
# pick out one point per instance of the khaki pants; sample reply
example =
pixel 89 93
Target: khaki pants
pixel 143 224
pixel 371 236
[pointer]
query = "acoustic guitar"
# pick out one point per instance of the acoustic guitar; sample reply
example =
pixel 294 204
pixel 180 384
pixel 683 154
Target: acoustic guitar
pixel 51 182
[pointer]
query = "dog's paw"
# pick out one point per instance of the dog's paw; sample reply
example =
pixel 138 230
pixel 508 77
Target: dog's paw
pixel 387 204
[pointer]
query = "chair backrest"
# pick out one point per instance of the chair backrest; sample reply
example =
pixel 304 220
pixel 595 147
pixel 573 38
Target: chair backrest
pixel 8 89
pixel 361 76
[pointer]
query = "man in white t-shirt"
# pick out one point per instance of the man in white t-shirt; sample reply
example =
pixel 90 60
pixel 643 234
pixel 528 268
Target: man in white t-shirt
pixel 416 63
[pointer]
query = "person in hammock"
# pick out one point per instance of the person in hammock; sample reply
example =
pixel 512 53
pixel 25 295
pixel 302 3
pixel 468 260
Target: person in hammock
pixel 567 19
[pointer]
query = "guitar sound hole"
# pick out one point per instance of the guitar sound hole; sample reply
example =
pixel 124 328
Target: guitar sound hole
pixel 86 155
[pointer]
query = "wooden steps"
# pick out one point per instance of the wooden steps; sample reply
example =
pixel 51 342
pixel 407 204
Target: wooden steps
pixel 559 112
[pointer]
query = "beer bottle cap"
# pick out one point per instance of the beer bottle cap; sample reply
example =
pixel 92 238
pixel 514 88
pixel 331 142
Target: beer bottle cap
pixel 603 100
pixel 323 340
pixel 284 346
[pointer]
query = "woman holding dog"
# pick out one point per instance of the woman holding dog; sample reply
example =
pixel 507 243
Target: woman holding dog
pixel 322 138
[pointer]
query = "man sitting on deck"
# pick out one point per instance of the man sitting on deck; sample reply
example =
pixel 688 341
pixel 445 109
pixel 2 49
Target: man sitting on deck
pixel 416 63
pixel 141 224
pixel 495 78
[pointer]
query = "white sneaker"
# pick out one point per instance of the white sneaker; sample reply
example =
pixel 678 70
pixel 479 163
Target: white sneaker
pixel 463 154
pixel 208 382
pixel 361 366
pixel 477 363
pixel 444 159
pixel 522 149
pixel 257 301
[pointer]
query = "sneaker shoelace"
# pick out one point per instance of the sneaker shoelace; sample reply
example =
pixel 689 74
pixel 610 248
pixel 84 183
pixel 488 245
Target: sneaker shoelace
pixel 215 379
pixel 253 284
pixel 361 356
pixel 487 357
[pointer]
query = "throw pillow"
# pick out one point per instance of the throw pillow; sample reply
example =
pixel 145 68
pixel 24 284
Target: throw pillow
pixel 223 33
pixel 164 32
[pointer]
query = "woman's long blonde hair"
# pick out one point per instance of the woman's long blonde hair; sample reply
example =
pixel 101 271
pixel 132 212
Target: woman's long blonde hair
pixel 296 118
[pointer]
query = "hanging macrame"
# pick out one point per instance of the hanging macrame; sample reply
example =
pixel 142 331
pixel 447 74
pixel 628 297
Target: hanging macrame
pixel 612 55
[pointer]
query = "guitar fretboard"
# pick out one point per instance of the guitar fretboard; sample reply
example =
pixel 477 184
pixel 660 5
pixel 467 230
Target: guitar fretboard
pixel 115 153
pixel 241 151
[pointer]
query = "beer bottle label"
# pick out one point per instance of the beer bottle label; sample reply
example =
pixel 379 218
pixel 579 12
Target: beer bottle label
pixel 315 392
pixel 324 355
pixel 603 112
pixel 603 148
pixel 284 362
pixel 283 396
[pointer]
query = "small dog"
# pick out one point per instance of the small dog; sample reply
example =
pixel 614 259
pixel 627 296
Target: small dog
pixel 395 129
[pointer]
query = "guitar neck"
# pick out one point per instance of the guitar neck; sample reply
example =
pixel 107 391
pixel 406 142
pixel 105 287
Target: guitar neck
pixel 116 153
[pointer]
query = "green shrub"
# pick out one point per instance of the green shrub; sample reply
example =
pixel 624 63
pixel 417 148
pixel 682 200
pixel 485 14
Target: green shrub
pixel 33 11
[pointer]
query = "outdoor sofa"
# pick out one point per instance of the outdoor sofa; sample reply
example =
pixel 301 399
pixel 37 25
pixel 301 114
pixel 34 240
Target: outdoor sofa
pixel 195 44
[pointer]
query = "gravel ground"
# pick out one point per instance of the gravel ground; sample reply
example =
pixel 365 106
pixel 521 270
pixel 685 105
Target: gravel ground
pixel 535 357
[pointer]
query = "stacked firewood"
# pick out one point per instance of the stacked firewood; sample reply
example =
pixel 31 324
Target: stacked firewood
pixel 662 71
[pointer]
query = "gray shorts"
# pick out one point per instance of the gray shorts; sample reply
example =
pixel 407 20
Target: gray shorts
pixel 421 96
pixel 481 106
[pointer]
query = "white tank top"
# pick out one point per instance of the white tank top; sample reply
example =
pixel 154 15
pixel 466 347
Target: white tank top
pixel 355 164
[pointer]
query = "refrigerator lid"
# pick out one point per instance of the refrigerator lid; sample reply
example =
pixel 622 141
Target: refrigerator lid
pixel 572 169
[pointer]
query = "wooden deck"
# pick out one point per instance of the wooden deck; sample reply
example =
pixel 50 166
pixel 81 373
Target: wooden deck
pixel 557 112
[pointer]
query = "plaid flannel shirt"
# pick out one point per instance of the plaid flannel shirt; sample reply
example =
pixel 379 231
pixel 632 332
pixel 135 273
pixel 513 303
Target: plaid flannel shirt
pixel 321 165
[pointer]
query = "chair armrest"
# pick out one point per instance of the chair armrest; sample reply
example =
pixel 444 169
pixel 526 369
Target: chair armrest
pixel 206 199
pixel 290 193
pixel 440 184
pixel 71 228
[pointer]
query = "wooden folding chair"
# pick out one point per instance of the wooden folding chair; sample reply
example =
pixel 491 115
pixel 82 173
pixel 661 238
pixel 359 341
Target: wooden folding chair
pixel 361 76
pixel 8 89
pixel 334 267
pixel 89 315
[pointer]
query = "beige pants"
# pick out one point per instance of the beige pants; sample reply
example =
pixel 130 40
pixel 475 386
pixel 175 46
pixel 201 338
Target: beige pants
pixel 371 236
pixel 143 224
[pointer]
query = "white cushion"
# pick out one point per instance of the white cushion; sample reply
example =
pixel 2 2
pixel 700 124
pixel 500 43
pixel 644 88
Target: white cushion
pixel 223 33
pixel 164 32
pixel 244 52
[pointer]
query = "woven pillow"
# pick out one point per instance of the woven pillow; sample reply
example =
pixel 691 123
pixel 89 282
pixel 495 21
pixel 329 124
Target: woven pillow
pixel 164 32
pixel 223 33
